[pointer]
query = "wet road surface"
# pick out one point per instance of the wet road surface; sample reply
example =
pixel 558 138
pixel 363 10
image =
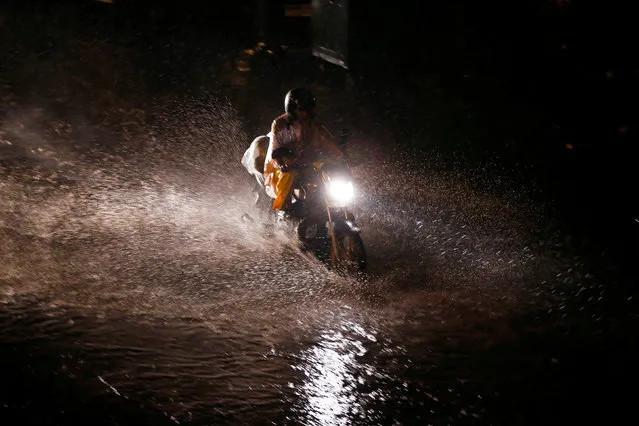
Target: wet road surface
pixel 132 293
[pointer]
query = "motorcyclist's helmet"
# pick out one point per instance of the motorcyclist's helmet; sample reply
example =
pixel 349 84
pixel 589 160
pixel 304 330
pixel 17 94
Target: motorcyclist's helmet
pixel 298 99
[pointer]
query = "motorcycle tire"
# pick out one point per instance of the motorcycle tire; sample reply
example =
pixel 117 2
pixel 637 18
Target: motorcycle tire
pixel 348 253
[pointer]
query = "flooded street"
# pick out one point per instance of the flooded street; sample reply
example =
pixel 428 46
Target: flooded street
pixel 151 288
pixel 132 293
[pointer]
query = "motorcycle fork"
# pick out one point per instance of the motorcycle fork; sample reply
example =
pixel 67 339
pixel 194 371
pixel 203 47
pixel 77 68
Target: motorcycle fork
pixel 335 248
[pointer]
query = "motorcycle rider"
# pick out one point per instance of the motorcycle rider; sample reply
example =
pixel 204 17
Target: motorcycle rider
pixel 302 139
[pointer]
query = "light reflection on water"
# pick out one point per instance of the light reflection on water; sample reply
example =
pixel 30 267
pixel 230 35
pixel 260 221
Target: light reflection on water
pixel 334 369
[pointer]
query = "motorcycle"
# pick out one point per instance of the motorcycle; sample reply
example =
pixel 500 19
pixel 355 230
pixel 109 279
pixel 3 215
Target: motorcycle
pixel 320 203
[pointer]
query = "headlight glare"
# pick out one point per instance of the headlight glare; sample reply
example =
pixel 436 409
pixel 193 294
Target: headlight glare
pixel 341 191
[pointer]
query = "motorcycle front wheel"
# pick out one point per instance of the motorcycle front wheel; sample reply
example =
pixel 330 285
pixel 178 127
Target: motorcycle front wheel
pixel 348 253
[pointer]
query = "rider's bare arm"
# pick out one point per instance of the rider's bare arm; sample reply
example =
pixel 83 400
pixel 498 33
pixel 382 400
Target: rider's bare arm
pixel 328 144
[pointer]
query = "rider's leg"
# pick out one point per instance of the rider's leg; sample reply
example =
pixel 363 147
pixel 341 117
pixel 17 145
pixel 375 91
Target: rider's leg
pixel 283 187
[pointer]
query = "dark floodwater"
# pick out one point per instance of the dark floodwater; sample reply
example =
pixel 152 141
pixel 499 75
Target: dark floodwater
pixel 131 292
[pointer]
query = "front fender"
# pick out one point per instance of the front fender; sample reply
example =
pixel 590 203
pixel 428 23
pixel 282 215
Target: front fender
pixel 346 227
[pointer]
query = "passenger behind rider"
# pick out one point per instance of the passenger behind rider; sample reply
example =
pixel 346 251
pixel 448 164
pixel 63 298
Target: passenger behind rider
pixel 302 139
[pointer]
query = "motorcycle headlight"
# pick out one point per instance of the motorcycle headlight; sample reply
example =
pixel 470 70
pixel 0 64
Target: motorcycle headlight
pixel 340 190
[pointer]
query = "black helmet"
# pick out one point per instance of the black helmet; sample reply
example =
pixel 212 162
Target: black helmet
pixel 298 99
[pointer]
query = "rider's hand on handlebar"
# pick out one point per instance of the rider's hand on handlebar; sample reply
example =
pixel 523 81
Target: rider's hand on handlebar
pixel 286 164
